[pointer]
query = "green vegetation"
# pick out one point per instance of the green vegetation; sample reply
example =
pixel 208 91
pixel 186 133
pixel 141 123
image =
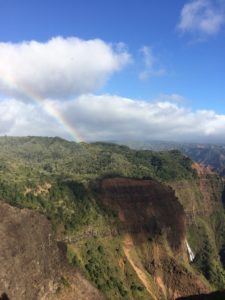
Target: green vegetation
pixel 61 180
pixel 204 243
pixel 104 264
pixel 54 176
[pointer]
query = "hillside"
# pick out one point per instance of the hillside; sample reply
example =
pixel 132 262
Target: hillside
pixel 125 217
pixel 212 155
pixel 33 264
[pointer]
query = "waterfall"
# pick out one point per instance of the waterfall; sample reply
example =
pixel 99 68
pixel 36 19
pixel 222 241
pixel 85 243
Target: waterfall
pixel 190 252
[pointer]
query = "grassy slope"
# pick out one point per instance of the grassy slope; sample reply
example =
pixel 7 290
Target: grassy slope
pixel 68 169
pixel 70 200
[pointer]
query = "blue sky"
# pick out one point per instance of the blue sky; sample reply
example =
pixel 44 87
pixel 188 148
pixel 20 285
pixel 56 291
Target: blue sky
pixel 176 49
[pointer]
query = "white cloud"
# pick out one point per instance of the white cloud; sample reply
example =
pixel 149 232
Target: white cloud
pixel 107 117
pixel 151 64
pixel 61 67
pixel 202 17
pixel 72 68
pixel 19 118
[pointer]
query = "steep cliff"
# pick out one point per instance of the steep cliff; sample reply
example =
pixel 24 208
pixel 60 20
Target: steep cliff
pixel 202 200
pixel 146 207
pixel 154 235
pixel 32 265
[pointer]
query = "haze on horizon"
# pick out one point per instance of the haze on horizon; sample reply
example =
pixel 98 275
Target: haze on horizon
pixel 87 70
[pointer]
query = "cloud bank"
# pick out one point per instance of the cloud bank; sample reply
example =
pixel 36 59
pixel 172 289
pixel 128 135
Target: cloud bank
pixel 108 117
pixel 202 17
pixel 73 69
pixel 61 67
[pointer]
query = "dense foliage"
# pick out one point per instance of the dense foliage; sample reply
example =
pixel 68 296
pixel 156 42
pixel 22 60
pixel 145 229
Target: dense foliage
pixel 54 175
pixel 207 154
pixel 61 180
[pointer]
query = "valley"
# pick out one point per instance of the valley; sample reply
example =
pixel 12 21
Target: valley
pixel 103 221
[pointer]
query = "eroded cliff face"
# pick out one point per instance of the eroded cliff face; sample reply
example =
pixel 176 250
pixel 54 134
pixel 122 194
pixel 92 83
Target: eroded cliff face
pixel 200 197
pixel 211 186
pixel 153 236
pixel 32 265
pixel 146 207
pixel 203 202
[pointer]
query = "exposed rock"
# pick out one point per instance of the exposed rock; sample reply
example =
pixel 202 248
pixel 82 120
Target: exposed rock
pixel 146 206
pixel 150 210
pixel 32 264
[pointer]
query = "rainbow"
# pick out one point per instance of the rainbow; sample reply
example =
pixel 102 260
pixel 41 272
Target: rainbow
pixel 52 111
pixel 49 108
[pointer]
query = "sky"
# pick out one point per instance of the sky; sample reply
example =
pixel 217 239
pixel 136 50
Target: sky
pixel 88 70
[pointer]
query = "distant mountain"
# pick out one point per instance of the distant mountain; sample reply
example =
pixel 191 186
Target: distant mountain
pixel 209 155
pixel 133 224
pixel 206 154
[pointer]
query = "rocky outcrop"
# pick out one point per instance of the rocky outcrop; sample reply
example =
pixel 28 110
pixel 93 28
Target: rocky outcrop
pixel 146 206
pixel 202 196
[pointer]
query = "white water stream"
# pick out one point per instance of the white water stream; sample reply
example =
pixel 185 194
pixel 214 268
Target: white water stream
pixel 190 252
